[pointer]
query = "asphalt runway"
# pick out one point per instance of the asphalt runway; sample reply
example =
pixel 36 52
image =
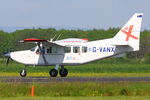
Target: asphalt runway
pixel 73 79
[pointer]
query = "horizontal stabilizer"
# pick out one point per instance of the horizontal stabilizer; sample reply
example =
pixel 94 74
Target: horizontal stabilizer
pixel 119 56
pixel 121 44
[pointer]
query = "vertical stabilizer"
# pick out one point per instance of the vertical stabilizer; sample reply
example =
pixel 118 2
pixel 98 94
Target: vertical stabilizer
pixel 130 32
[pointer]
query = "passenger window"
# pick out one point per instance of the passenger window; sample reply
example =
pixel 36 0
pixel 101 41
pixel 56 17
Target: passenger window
pixel 76 49
pixel 67 49
pixel 84 49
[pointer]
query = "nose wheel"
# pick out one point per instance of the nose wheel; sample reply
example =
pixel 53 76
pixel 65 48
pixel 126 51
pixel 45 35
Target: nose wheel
pixel 23 73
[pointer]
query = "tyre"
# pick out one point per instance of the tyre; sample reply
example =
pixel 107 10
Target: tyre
pixel 23 73
pixel 63 72
pixel 53 72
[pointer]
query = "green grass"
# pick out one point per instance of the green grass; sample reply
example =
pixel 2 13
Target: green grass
pixel 92 69
pixel 103 68
pixel 87 68
pixel 74 89
pixel 74 74
pixel 81 98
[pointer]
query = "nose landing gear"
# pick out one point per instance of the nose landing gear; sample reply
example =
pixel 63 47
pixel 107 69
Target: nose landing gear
pixel 23 73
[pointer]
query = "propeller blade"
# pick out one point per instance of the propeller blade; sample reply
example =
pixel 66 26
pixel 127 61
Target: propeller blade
pixel 8 61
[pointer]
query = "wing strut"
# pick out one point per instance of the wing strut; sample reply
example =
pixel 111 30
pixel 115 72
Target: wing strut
pixel 42 53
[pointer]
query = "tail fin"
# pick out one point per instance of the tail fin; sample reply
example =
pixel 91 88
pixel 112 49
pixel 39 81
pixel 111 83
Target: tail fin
pixel 130 32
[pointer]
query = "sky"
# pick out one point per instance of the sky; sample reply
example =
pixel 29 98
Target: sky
pixel 82 14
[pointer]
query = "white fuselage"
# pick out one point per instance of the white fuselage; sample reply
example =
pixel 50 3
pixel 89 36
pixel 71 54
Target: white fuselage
pixel 79 53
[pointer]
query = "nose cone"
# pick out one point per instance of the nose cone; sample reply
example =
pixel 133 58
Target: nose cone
pixel 7 54
pixel 24 57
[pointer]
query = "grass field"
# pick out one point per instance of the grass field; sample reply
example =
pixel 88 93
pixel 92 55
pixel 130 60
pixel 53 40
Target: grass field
pixel 75 74
pixel 75 89
pixel 81 98
pixel 93 69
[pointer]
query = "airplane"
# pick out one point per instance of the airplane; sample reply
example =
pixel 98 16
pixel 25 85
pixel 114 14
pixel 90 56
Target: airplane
pixel 76 51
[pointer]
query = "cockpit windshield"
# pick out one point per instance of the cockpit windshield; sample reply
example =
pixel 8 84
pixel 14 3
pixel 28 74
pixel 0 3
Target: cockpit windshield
pixel 33 49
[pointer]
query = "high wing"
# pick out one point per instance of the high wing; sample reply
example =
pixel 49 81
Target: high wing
pixel 43 41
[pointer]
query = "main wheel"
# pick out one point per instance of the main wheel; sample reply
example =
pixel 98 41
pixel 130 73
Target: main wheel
pixel 53 72
pixel 23 73
pixel 63 72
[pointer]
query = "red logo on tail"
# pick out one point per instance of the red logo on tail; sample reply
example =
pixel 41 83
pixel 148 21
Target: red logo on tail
pixel 128 31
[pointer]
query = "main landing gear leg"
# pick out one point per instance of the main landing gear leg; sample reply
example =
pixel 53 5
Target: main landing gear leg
pixel 54 72
pixel 23 72
pixel 63 71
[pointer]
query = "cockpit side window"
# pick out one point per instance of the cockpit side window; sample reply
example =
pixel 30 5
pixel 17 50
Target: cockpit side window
pixel 43 50
pixel 33 49
pixel 52 50
pixel 37 51
pixel 49 50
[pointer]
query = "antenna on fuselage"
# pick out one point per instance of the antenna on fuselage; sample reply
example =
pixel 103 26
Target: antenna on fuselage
pixel 51 39
pixel 55 37
pixel 58 36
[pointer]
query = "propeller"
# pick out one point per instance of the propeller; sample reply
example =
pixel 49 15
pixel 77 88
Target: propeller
pixel 8 59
